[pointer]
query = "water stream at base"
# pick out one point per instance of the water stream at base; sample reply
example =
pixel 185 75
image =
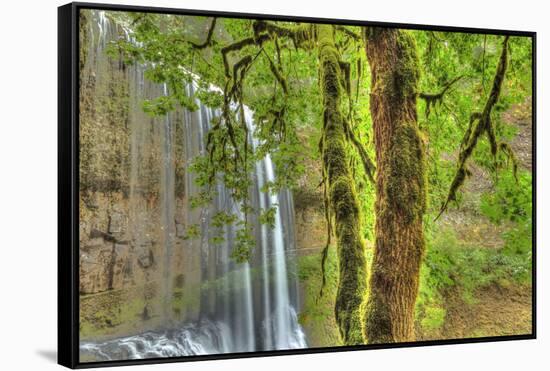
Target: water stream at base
pixel 243 307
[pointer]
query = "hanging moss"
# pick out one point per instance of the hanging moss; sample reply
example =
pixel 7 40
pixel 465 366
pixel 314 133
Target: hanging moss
pixel 208 41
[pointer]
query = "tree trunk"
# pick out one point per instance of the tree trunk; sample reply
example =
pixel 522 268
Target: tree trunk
pixel 343 202
pixel 400 187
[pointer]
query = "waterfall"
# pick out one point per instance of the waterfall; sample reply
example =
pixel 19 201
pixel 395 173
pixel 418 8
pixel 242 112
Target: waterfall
pixel 242 307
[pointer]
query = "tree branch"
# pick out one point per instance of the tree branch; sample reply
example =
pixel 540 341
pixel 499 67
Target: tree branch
pixel 299 34
pixel 348 32
pixel 208 40
pixel 480 123
pixel 435 98
pixel 277 73
pixel 238 45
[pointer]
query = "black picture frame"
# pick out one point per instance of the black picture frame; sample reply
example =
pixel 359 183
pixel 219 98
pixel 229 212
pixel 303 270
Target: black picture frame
pixel 68 184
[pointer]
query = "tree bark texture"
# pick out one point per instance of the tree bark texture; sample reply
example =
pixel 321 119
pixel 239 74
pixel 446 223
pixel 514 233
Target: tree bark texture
pixel 400 187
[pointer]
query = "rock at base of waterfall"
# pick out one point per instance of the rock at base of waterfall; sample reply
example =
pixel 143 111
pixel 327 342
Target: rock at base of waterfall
pixel 97 234
pixel 91 200
pixel 83 230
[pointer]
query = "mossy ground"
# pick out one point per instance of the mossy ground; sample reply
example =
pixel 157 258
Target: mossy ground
pixel 117 313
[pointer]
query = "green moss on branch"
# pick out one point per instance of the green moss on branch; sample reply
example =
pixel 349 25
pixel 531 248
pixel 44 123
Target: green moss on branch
pixel 481 123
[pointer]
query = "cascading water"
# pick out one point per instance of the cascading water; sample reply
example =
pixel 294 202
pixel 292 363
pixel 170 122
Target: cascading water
pixel 242 307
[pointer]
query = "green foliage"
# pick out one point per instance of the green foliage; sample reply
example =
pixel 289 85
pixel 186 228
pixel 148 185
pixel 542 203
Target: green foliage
pixel 267 216
pixel 218 222
pixel 244 243
pixel 451 266
pixel 202 198
pixel 222 218
pixel 434 318
pixel 446 56
pixel 159 106
pixel 511 203
pixel 193 231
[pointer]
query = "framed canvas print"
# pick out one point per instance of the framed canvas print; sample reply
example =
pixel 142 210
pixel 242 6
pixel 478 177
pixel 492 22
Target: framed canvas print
pixel 237 185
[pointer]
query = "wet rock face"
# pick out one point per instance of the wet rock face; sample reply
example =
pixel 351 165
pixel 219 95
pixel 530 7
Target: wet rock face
pixel 120 251
pixel 130 199
pixel 107 256
pixel 180 230
pixel 121 265
pixel 104 264
pixel 145 255
pixel 95 261
pixel 116 223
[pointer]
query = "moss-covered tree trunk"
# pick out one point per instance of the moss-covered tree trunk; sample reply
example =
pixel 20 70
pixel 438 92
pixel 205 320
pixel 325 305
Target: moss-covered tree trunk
pixel 343 202
pixel 401 187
